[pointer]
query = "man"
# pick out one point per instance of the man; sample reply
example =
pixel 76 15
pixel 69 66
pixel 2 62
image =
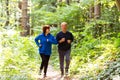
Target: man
pixel 64 38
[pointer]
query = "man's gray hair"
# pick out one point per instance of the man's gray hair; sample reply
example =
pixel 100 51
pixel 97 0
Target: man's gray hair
pixel 63 23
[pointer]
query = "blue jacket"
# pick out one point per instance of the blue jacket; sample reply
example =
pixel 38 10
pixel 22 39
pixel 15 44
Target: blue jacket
pixel 45 43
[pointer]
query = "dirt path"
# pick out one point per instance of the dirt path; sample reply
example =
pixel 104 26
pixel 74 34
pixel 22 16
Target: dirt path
pixel 52 75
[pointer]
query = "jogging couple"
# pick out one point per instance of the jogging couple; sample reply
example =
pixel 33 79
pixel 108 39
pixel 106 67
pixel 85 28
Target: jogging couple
pixel 45 40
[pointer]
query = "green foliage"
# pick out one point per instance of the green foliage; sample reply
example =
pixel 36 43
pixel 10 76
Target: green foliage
pixel 110 72
pixel 19 58
pixel 95 41
pixel 95 51
pixel 13 16
pixel 68 14
pixel 117 41
pixel 93 61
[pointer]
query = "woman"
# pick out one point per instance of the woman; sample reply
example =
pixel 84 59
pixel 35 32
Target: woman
pixel 44 41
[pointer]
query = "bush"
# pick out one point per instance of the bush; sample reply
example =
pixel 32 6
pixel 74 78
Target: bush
pixel 19 58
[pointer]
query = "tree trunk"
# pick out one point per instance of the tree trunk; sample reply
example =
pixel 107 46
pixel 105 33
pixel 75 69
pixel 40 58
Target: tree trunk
pixel 7 12
pixel 78 1
pixel 97 28
pixel 20 4
pixel 60 0
pixel 91 14
pixel 97 11
pixel 25 19
pixel 68 2
pixel 1 14
pixel 118 4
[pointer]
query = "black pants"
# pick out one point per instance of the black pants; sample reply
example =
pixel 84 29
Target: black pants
pixel 44 63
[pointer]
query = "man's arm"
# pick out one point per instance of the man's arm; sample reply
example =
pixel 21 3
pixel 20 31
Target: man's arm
pixel 60 40
pixel 71 39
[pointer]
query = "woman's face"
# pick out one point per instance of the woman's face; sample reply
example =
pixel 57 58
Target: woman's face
pixel 47 31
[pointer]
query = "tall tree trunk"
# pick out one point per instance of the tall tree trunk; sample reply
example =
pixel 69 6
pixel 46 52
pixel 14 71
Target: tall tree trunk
pixel 1 14
pixel 91 13
pixel 78 1
pixel 7 12
pixel 97 11
pixel 68 2
pixel 25 19
pixel 60 0
pixel 118 4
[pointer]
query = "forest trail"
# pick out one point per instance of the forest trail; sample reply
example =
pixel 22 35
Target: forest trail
pixel 52 74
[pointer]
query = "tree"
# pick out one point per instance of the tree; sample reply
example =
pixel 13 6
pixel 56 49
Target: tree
pixel 7 12
pixel 97 11
pixel 78 1
pixel 20 5
pixel 60 0
pixel 118 3
pixel 68 2
pixel 25 19
pixel 91 13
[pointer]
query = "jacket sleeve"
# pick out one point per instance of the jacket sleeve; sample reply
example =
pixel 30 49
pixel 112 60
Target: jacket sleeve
pixel 57 37
pixel 37 40
pixel 72 37
pixel 53 40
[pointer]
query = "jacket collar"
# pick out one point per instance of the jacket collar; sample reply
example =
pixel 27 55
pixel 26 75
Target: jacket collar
pixel 64 33
pixel 44 34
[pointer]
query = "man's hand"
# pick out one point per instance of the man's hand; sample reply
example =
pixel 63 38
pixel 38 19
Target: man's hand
pixel 62 40
pixel 69 41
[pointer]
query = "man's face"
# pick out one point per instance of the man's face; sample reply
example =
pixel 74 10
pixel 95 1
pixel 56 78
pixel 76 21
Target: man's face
pixel 64 27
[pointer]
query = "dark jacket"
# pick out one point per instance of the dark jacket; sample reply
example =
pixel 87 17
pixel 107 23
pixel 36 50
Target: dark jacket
pixel 65 45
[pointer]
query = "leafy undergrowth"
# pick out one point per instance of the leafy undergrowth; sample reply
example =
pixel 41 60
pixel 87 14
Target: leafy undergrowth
pixel 97 61
pixel 91 59
pixel 18 56
pixel 112 71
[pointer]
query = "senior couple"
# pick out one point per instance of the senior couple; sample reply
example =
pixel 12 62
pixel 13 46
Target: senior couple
pixel 45 40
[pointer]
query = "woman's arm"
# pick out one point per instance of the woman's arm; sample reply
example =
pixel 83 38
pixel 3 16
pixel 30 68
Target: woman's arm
pixel 52 40
pixel 37 40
